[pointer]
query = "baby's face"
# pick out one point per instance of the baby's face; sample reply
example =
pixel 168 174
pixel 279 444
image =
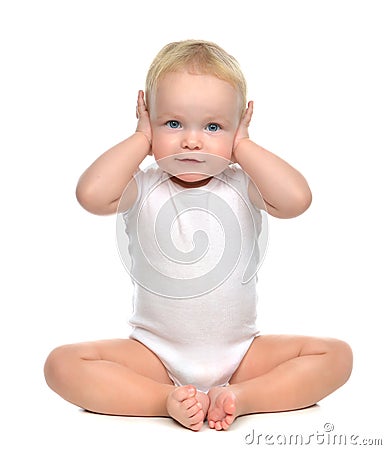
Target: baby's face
pixel 195 114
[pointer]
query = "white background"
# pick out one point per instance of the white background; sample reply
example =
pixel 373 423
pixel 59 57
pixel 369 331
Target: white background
pixel 70 72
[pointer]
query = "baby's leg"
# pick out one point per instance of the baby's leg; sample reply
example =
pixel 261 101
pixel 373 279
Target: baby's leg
pixel 121 377
pixel 281 373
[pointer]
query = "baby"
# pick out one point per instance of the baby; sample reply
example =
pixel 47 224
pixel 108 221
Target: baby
pixel 195 352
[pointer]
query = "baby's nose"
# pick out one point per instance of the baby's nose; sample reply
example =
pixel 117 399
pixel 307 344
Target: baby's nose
pixel 192 141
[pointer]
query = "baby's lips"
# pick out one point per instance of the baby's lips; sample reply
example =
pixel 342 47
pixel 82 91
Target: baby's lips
pixel 203 163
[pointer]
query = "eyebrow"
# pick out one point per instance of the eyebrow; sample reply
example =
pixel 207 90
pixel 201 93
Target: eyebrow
pixel 168 116
pixel 215 118
pixel 218 119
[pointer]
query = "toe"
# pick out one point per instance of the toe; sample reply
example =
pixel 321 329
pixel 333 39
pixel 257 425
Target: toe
pixel 225 425
pixel 189 402
pixel 197 418
pixel 197 426
pixel 229 406
pixel 184 392
pixel 218 426
pixel 194 410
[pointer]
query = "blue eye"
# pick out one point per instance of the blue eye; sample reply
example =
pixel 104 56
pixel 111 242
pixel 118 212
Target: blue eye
pixel 213 127
pixel 173 124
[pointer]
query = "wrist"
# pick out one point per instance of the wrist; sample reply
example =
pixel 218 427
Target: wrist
pixel 240 144
pixel 146 139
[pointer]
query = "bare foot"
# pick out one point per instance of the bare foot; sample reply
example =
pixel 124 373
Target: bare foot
pixel 222 409
pixel 188 406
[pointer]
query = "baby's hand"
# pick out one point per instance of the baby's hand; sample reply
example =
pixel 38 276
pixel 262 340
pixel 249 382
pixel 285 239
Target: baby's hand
pixel 242 131
pixel 143 125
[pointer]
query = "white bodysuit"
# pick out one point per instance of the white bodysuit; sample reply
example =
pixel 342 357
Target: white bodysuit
pixel 193 258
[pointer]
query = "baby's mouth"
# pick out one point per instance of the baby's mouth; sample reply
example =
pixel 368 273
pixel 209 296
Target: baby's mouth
pixel 198 163
pixel 191 160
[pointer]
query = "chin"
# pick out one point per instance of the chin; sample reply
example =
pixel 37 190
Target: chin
pixel 192 177
pixel 191 180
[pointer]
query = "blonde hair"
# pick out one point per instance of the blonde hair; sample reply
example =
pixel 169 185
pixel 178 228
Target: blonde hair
pixel 198 57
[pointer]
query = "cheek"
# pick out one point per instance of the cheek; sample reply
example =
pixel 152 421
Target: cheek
pixel 162 144
pixel 225 145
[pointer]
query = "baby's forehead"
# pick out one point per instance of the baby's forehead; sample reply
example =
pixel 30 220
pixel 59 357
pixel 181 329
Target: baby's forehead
pixel 176 74
pixel 175 87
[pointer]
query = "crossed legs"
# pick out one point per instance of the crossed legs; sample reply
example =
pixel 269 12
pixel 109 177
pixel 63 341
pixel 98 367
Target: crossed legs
pixel 123 377
pixel 281 373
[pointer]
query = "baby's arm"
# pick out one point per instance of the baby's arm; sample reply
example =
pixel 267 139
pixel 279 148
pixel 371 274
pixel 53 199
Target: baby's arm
pixel 101 186
pixel 284 189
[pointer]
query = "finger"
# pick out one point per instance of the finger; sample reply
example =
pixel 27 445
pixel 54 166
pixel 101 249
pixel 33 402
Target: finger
pixel 141 107
pixel 248 113
pixel 141 101
pixel 140 98
pixel 137 105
